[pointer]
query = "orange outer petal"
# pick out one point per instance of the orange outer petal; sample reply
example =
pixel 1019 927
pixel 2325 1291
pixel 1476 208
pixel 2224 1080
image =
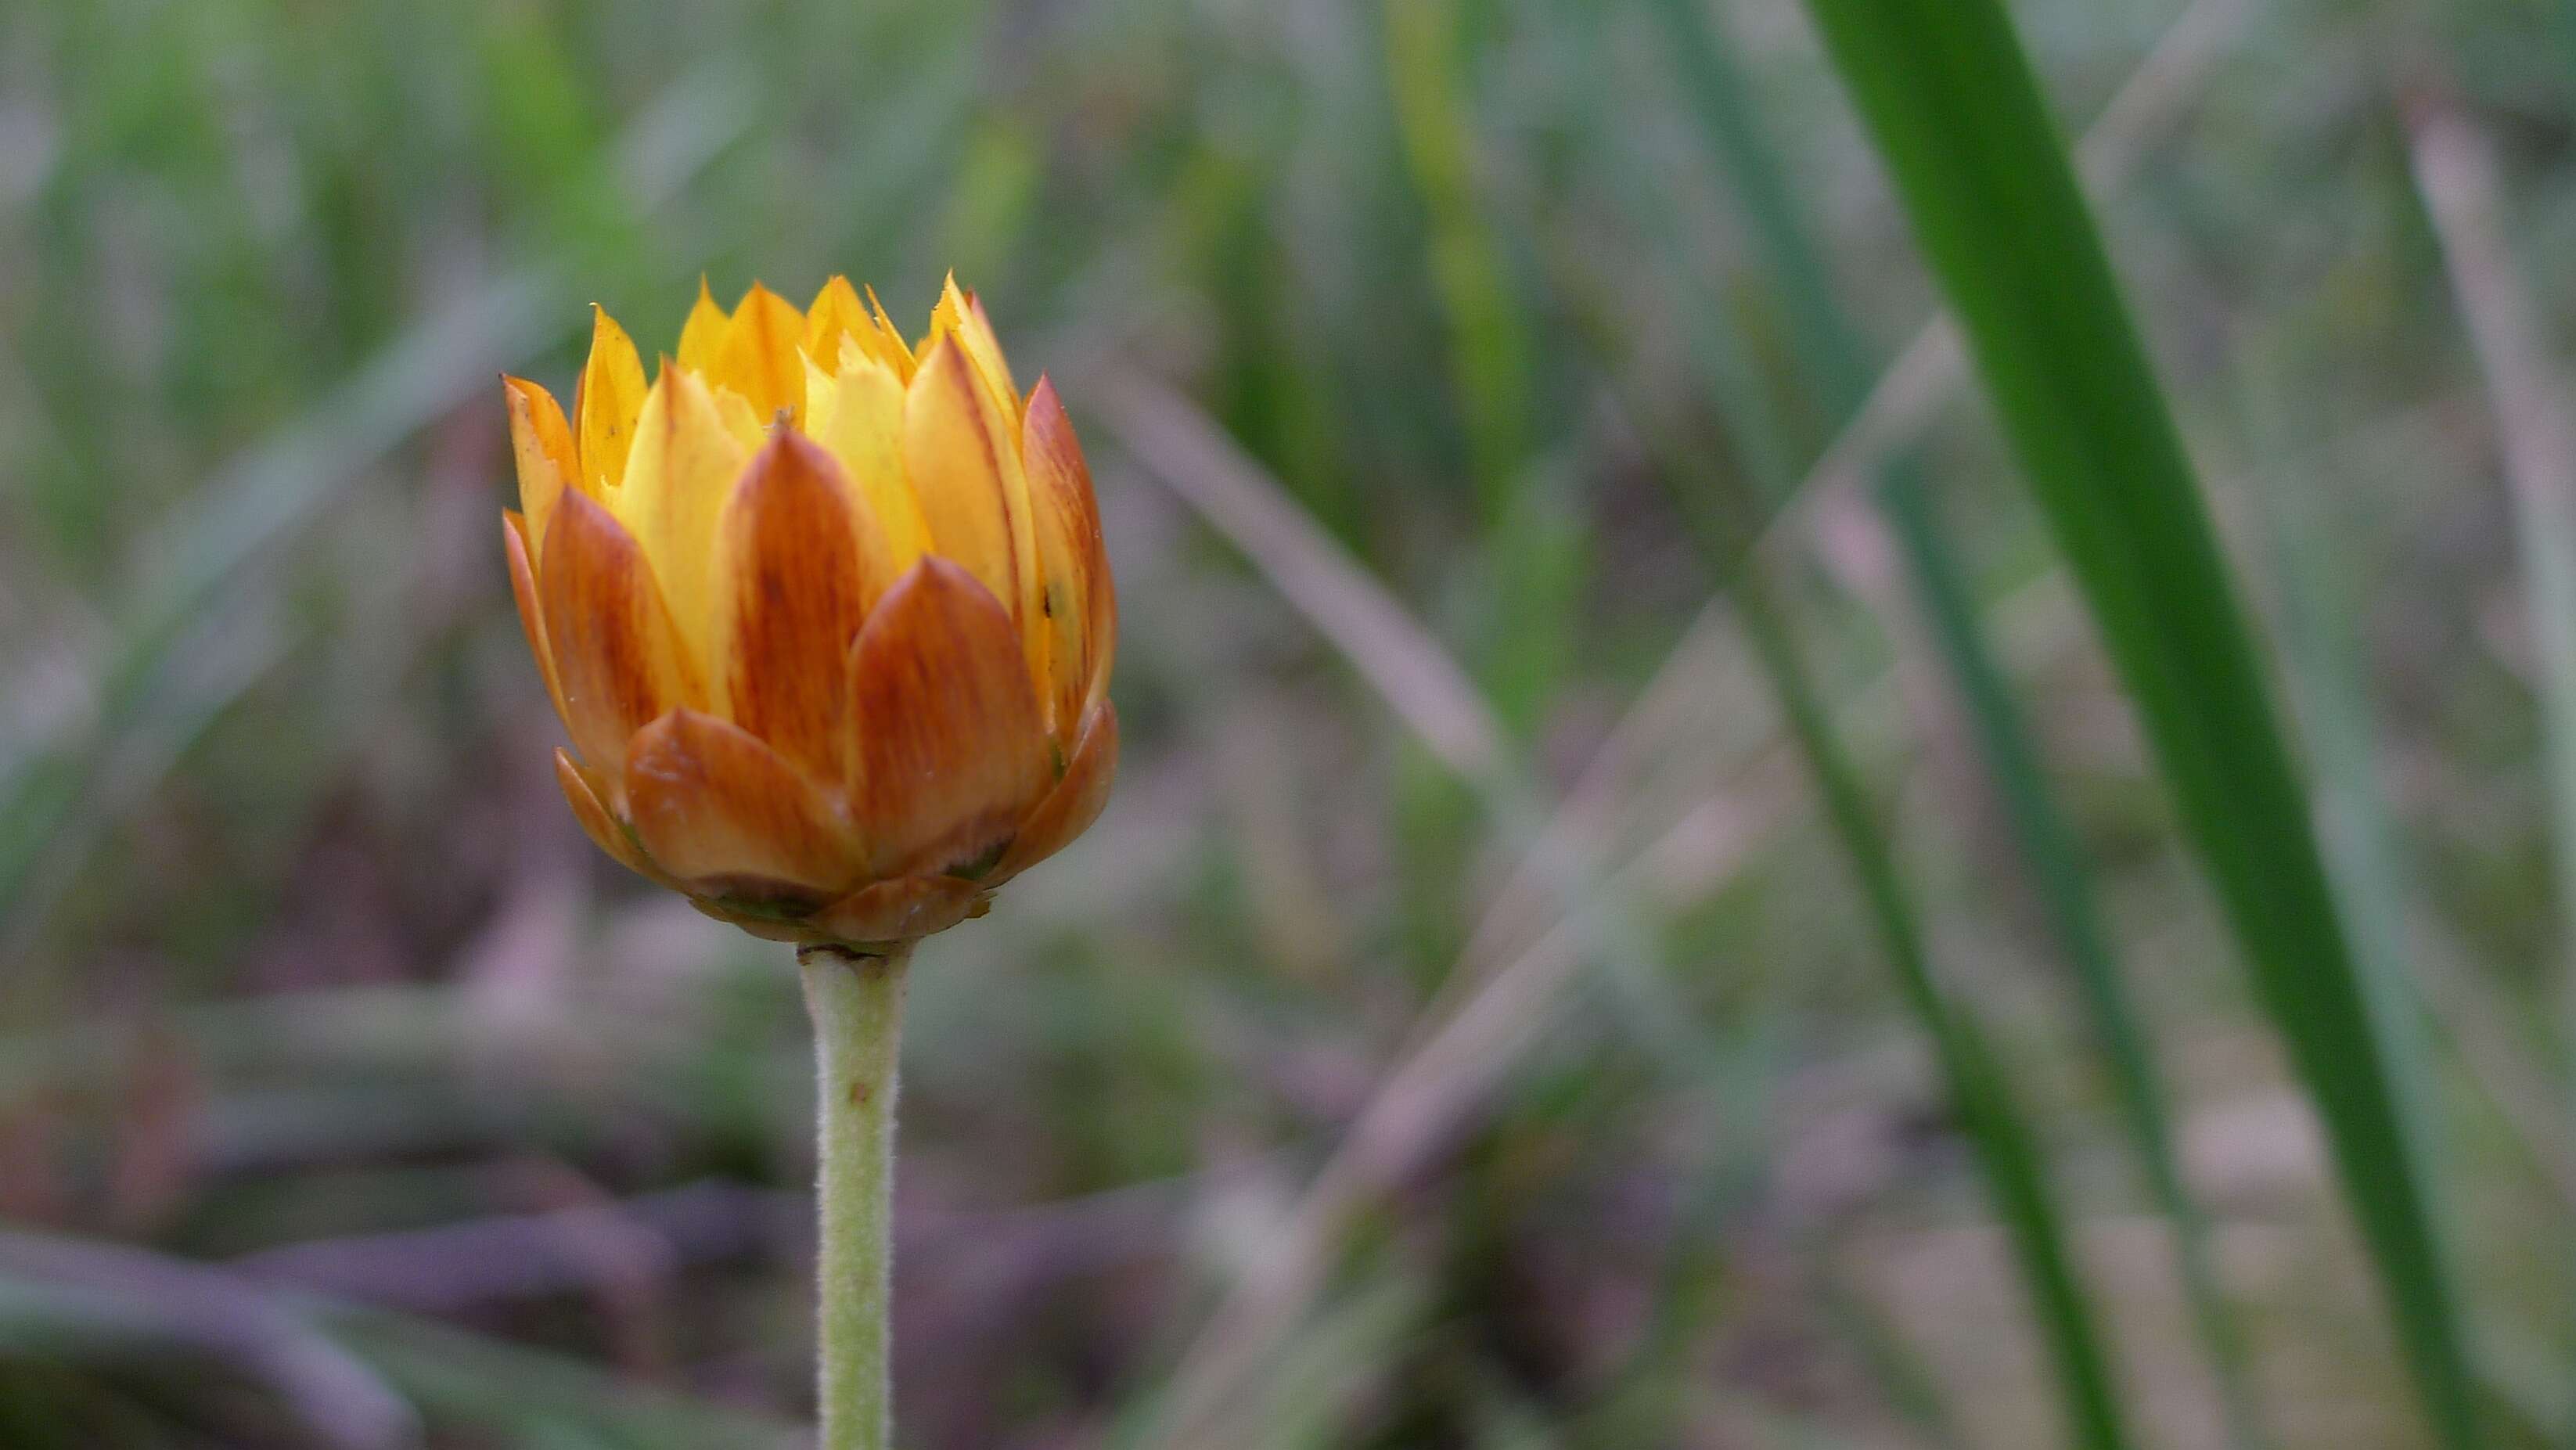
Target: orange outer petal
pixel 1070 808
pixel 800 567
pixel 598 824
pixel 532 616
pixel 1077 601
pixel 719 809
pixel 616 652
pixel 904 909
pixel 611 394
pixel 947 752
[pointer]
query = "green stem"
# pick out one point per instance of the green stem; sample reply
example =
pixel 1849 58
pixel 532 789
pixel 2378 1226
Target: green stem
pixel 857 1005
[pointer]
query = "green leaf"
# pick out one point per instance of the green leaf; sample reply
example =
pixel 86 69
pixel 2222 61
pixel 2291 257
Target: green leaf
pixel 1950 99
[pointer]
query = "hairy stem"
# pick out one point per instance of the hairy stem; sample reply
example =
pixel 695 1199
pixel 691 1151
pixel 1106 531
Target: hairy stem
pixel 857 1006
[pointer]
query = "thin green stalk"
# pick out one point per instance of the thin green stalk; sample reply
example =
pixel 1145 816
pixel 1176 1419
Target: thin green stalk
pixel 857 1005
pixel 1830 347
pixel 1996 1129
pixel 1958 117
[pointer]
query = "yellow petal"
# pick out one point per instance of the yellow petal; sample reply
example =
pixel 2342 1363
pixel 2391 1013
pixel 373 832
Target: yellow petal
pixel 1077 602
pixel 758 356
pixel 721 810
pixel 541 444
pixel 947 750
pixel 703 333
pixel 986 349
pixel 800 567
pixel 1068 810
pixel 963 460
pixel 887 345
pixel 611 393
pixel 958 316
pixel 617 654
pixel 858 416
pixel 837 313
pixel 516 547
pixel 687 458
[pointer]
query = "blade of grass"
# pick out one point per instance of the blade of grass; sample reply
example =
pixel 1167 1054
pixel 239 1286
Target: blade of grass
pixel 1830 347
pixel 2455 169
pixel 1957 115
pixel 2007 1154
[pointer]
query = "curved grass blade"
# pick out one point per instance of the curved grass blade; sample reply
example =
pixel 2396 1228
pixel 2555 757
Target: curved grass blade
pixel 1829 347
pixel 1950 100
pixel 2007 1153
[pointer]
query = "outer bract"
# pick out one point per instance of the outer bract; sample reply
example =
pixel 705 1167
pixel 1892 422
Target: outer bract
pixel 826 616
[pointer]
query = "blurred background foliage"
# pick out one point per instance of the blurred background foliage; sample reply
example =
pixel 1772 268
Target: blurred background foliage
pixel 1465 1028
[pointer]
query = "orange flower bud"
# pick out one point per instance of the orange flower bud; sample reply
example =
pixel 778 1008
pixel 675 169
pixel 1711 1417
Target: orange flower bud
pixel 827 617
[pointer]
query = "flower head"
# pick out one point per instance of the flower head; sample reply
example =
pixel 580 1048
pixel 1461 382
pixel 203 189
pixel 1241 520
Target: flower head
pixel 826 616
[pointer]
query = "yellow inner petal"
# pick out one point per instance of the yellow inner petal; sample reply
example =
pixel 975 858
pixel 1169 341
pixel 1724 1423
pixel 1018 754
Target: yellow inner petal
pixel 612 393
pixel 688 455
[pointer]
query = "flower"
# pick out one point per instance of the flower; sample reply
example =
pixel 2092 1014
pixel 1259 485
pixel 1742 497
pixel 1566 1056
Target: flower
pixel 827 618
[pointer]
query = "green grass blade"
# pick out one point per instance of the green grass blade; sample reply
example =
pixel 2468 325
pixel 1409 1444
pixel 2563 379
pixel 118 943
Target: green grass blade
pixel 1957 115
pixel 2007 1155
pixel 1830 348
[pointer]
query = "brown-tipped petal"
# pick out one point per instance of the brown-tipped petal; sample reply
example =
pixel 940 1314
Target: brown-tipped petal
pixel 1073 805
pixel 1077 601
pixel 947 749
pixel 905 909
pixel 612 393
pixel 532 615
pixel 616 652
pixel 800 567
pixel 964 464
pixel 759 356
pixel 704 332
pixel 541 445
pixel 583 796
pixel 715 807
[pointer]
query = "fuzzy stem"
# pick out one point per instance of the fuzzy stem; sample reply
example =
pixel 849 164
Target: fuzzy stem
pixel 857 1006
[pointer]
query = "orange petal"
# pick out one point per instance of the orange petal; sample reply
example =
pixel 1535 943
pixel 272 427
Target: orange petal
pixel 612 393
pixel 597 823
pixel 1078 604
pixel 541 444
pixel 616 652
pixel 947 750
pixel 704 332
pixel 963 459
pixel 714 806
pixel 801 567
pixel 1073 805
pixel 532 616
pixel 906 909
pixel 758 356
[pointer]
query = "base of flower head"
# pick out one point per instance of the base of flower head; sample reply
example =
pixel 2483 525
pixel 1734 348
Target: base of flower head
pixel 877 920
